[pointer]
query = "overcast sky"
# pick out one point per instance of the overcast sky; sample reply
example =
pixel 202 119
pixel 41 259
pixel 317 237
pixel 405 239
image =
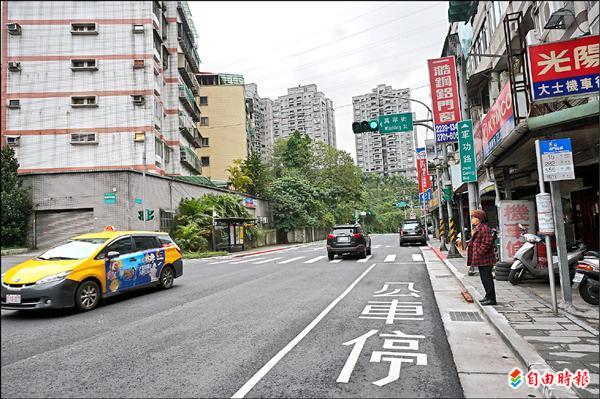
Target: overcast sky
pixel 345 48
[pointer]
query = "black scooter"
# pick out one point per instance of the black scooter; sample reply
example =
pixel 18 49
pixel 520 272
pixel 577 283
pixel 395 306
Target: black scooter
pixel 586 277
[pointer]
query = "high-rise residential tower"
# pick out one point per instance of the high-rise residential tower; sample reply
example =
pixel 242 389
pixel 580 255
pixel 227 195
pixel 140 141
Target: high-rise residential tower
pixel 307 110
pixel 389 153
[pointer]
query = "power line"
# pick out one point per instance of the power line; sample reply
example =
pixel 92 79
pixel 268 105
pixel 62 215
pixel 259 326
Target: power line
pixel 368 47
pixel 379 25
pixel 312 35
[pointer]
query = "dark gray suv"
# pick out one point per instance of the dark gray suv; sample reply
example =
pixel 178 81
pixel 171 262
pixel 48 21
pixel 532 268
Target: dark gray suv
pixel 348 239
pixel 412 231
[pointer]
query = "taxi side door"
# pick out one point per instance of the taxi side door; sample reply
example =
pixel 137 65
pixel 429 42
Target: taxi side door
pixel 119 271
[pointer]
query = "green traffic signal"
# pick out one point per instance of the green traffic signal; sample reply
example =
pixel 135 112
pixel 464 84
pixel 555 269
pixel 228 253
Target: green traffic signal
pixel 150 214
pixel 365 126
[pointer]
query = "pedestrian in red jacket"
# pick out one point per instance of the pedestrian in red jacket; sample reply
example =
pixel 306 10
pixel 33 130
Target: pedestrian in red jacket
pixel 480 254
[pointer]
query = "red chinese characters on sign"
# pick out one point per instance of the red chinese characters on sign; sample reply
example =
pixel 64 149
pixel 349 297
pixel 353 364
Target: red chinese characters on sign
pixel 444 90
pixel 565 68
pixel 422 170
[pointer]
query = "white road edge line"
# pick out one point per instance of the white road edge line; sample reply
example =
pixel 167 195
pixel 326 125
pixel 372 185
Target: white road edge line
pixel 365 260
pixel 313 260
pixel 290 260
pixel 243 391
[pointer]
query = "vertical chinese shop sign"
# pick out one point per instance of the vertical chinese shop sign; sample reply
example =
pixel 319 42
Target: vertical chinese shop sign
pixel 444 98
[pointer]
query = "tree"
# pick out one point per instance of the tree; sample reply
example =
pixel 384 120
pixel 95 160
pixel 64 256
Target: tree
pixel 292 152
pixel 16 201
pixel 238 176
pixel 259 173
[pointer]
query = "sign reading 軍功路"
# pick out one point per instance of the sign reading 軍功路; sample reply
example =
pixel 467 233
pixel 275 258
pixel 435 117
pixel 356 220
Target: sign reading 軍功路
pixel 466 146
pixel 566 68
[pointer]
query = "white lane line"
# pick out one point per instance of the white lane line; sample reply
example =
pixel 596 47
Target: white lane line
pixel 417 257
pixel 377 246
pixel 244 261
pixel 313 260
pixel 266 260
pixel 365 260
pixel 290 260
pixel 389 246
pixel 336 260
pixel 243 391
pixel 390 258
pixel 223 261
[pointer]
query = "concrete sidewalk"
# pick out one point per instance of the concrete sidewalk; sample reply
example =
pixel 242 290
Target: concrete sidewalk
pixel 542 340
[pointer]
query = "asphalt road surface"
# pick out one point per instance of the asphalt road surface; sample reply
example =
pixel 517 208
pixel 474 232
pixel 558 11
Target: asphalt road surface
pixel 283 324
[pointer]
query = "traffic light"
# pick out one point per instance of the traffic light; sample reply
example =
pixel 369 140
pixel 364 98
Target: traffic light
pixel 150 215
pixel 141 215
pixel 365 126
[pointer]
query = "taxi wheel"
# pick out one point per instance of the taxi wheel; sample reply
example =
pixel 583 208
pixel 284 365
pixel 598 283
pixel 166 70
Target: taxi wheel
pixel 87 296
pixel 166 278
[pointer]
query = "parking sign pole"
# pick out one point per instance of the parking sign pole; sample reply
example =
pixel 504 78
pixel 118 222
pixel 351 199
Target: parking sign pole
pixel 546 236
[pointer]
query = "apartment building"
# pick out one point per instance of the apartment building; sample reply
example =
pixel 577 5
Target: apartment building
pixel 307 110
pixel 389 153
pixel 90 85
pixel 260 110
pixel 92 90
pixel 224 123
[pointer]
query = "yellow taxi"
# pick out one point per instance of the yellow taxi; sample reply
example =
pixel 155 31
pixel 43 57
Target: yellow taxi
pixel 85 269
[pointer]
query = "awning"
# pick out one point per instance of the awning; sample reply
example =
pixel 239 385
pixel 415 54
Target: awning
pixel 564 116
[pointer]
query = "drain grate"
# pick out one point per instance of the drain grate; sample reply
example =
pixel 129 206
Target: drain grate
pixel 465 316
pixel 443 276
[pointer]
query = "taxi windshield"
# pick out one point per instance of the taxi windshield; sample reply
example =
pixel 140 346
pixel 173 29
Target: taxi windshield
pixel 73 249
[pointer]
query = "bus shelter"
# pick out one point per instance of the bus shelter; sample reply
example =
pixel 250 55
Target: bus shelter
pixel 229 233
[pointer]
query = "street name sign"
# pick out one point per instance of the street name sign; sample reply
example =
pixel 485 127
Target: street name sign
pixel 396 123
pixel 557 160
pixel 110 198
pixel 468 167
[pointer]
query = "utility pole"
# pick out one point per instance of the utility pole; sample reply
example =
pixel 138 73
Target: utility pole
pixel 440 185
pixel 452 251
pixel 546 236
pixel 145 216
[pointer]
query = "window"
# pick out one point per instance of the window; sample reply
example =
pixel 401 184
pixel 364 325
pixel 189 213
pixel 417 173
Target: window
pixel 205 161
pixel 204 121
pixel 122 246
pixel 143 243
pixel 84 29
pixel 166 223
pixel 203 100
pixel 14 103
pixel 168 151
pixel 138 64
pixel 85 101
pixel 499 7
pixel 138 28
pixel 14 29
pixel 158 146
pixel 138 100
pixel 83 138
pixel 204 141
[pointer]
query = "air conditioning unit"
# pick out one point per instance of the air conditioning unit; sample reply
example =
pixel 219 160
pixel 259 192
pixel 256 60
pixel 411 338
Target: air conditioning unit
pixel 14 104
pixel 138 100
pixel 13 141
pixel 532 38
pixel 138 28
pixel 14 29
pixel 138 64
pixel 14 66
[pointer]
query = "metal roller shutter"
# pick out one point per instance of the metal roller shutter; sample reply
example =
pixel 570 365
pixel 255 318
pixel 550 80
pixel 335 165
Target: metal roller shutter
pixel 52 227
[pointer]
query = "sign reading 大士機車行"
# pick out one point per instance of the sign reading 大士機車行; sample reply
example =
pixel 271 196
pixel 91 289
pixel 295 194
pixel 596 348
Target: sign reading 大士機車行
pixel 466 146
pixel 557 160
pixel 444 97
pixel 566 68
pixel 396 123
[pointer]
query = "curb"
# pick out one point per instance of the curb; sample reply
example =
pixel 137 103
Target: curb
pixel 14 251
pixel 520 347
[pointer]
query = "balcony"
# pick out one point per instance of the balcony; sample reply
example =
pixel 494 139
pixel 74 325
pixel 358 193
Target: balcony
pixel 187 73
pixel 189 130
pixel 189 102
pixel 190 159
